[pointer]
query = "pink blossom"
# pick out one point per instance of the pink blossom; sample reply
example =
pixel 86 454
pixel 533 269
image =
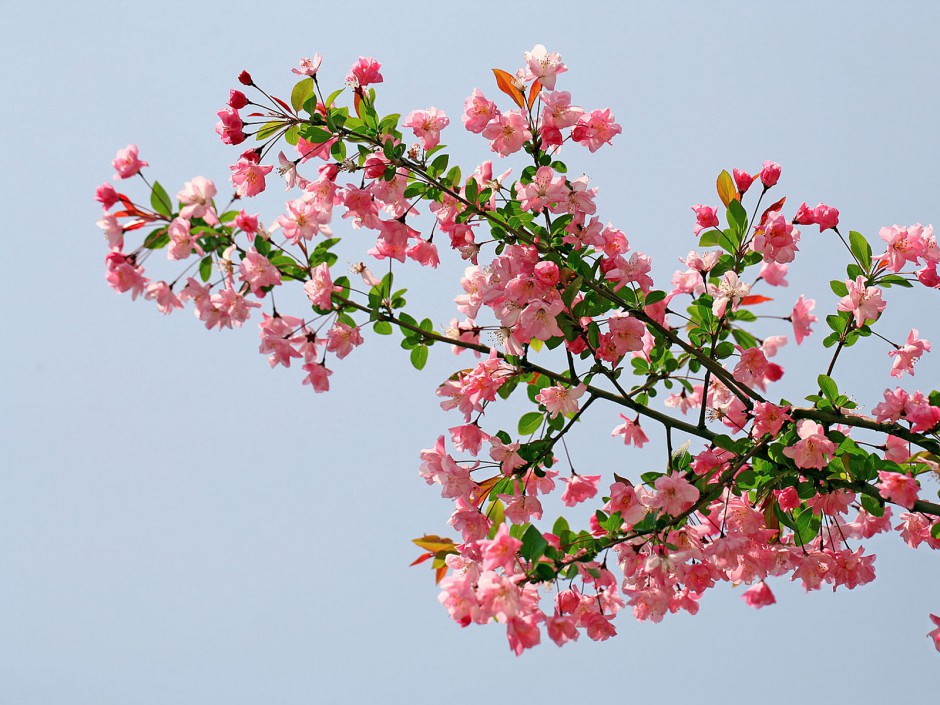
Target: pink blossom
pixel 560 400
pixel 906 355
pixel 248 176
pixel 897 450
pixel 427 125
pixel 631 432
pixel 776 239
pixel 814 449
pixel 788 499
pixel 307 66
pixel 164 296
pixel 579 488
pixel 196 199
pixel 320 287
pixel 933 634
pixel 424 253
pixel 507 133
pixel 759 595
pixel 674 494
pixel 500 552
pixel 595 129
pixel 107 196
pixel 318 376
pixel 258 272
pixel 237 99
pixel 542 191
pixel 774 273
pixel 543 65
pixel 729 290
pixel 742 180
pixel 898 488
pixel 826 216
pixel 893 405
pixel 563 629
pixel 802 319
pixel 478 111
pixel 230 126
pixel 342 338
pixel 864 302
pixel 769 418
pixel 182 241
pixel 113 231
pixel 805 215
pixel 904 245
pixel 522 634
pixel 248 224
pixel 599 627
pixel 769 173
pixel 705 217
pixel 126 163
pixel 468 438
pixel 364 72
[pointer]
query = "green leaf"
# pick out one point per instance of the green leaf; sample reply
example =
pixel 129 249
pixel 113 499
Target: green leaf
pixel 419 357
pixel 656 296
pixel 205 268
pixel 838 288
pixel 709 239
pixel 861 249
pixel 533 544
pixel 744 339
pixel 737 217
pixel 807 526
pixel 331 98
pixel 157 239
pixel 828 386
pixel 268 129
pixel 315 135
pixel 725 443
pixel 382 327
pixel 160 200
pixel 303 90
pixel 530 422
pixel 872 506
pixel 935 530
pixel 471 190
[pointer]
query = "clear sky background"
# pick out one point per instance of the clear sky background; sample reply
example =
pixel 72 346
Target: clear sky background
pixel 179 524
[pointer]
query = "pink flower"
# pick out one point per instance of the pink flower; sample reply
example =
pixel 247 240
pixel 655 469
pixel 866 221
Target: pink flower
pixel 164 296
pixel 595 129
pixel 342 338
pixel 898 488
pixel 107 196
pixel 788 499
pixel 802 319
pixel 320 287
pixel 113 231
pixel 478 111
pixel 246 223
pixel 814 449
pixel 427 125
pixel 318 376
pixel 776 239
pixel 769 173
pixel 560 400
pixel 904 245
pixel 774 273
pixel 742 181
pixel 309 67
pixel 579 488
pixel 631 432
pixel 500 552
pixel 543 65
pixel 729 290
pixel 826 216
pixel 248 177
pixel 674 494
pixel 769 418
pixel 196 199
pixel 507 133
pixel 759 595
pixel 907 355
pixel 364 72
pixel 229 127
pixel 864 302
pixel 935 633
pixel 258 272
pixel 126 163
pixel 705 217
pixel 237 99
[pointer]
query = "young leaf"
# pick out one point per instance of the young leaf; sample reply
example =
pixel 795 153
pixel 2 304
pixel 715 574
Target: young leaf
pixel 726 189
pixel 419 357
pixel 507 84
pixel 530 422
pixel 303 90
pixel 861 249
pixel 160 200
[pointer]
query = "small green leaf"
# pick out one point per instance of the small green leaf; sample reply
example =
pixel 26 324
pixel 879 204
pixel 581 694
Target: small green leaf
pixel 530 422
pixel 268 129
pixel 302 92
pixel 737 217
pixel 838 288
pixel 419 357
pixel 861 249
pixel 205 268
pixel 160 200
pixel 709 239
pixel 828 386
pixel 533 544
pixel 382 327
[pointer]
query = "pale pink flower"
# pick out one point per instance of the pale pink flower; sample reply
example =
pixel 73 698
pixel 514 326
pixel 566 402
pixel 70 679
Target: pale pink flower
pixel 579 488
pixel 802 319
pixel 522 634
pixel 826 216
pixel 776 239
pixel 342 338
pixel 674 494
pixel 468 438
pixel 774 273
pixel 769 418
pixel 897 450
pixel 500 551
pixel 427 125
pixel 908 354
pixel 478 111
pixel 248 176
pixel 126 163
pixel 229 127
pixel 507 133
pixel 898 488
pixel 113 231
pixel 320 287
pixel 107 196
pixel 182 241
pixel 308 66
pixel 729 290
pixel 904 245
pixel 864 302
pixel 759 595
pixel 631 432
pixel 543 65
pixel 258 272
pixel 595 129
pixel 318 376
pixel 560 400
pixel 164 296
pixel 814 449
pixel 196 199
pixel 542 191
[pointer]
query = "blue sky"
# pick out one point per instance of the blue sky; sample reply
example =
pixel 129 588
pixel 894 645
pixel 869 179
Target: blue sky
pixel 178 523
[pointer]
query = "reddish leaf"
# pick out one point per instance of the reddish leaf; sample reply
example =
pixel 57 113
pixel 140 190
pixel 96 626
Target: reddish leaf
pixel 439 576
pixel 726 189
pixel 534 92
pixel 421 559
pixel 507 84
pixel 772 209
pixel 283 104
pixel 485 488
pixel 357 99
pixel 754 299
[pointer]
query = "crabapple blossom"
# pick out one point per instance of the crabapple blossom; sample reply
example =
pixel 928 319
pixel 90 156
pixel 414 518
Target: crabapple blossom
pixel 126 163
pixel 863 302
pixel 427 125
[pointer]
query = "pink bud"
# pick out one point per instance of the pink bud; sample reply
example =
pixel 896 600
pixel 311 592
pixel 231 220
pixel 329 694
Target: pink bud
pixel 770 173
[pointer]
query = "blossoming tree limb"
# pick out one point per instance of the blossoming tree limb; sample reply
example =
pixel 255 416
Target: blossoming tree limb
pixel 752 486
